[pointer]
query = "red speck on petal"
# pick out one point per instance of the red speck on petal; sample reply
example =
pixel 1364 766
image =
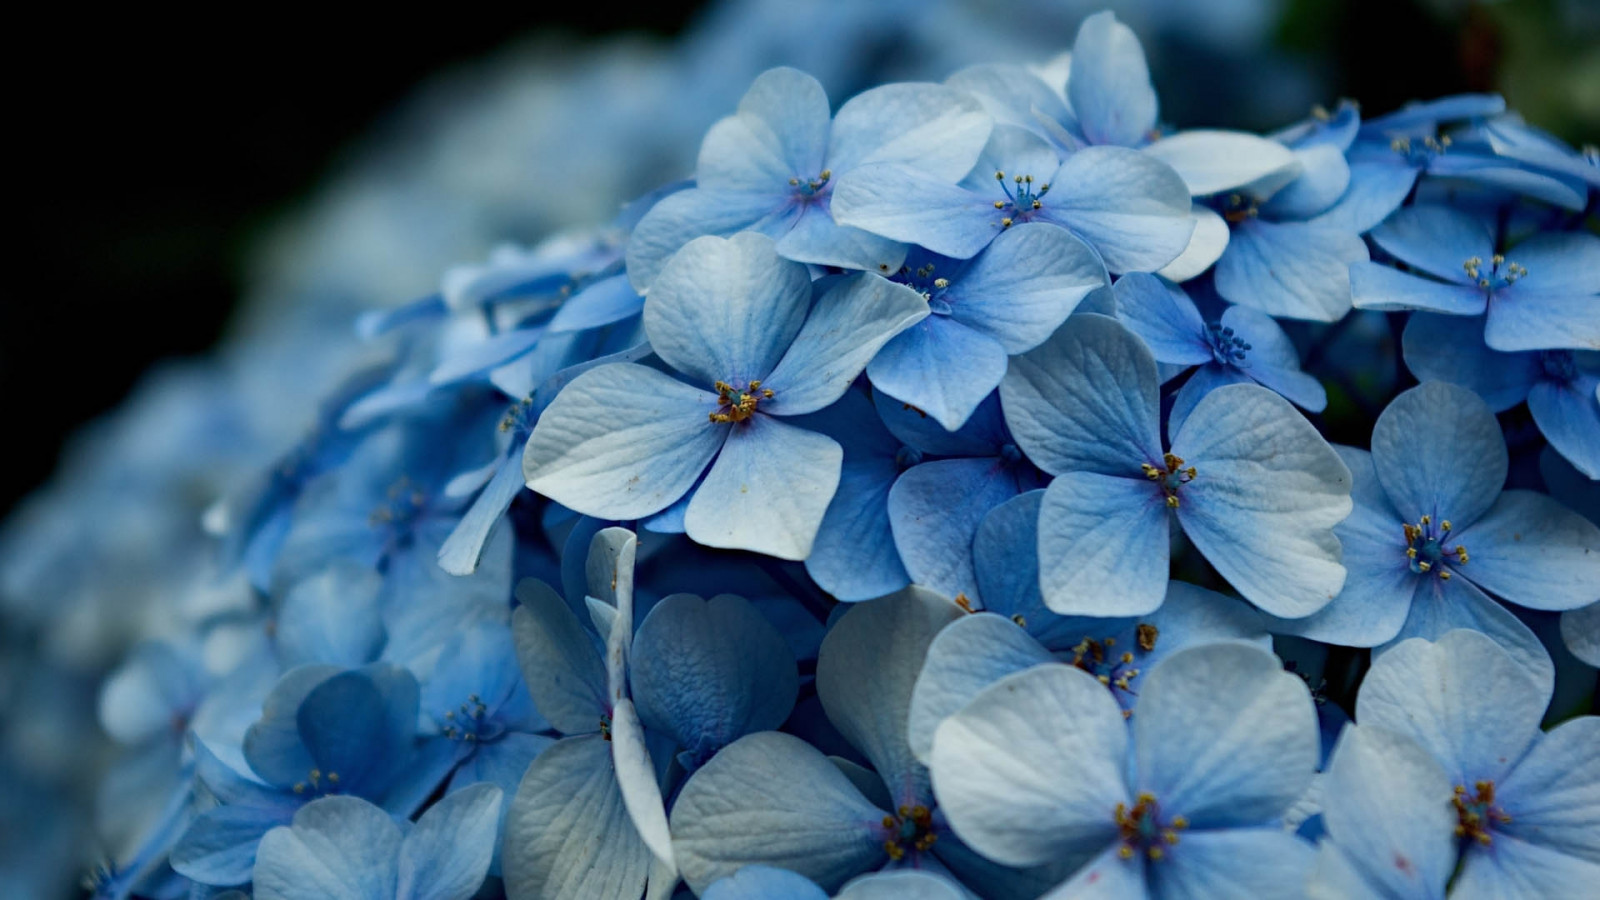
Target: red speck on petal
pixel 1094 876
pixel 1403 864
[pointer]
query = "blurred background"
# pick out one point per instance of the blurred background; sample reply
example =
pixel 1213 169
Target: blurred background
pixel 206 206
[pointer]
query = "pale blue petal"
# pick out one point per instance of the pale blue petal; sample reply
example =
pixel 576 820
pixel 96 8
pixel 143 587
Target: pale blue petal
pixel 1014 151
pixel 1387 809
pixel 1436 239
pixel 854 557
pixel 1005 559
pixel 772 799
pixel 221 844
pixel 1553 794
pixel 1451 348
pixel 1204 380
pixel 1428 113
pixel 1560 262
pixel 1322 181
pixel 764 883
pixel 940 366
pixel 338 848
pixel 707 673
pixel 1206 245
pixel 1438 452
pixel 1211 161
pixel 1438 606
pixel 1293 270
pixel 1273 361
pixel 461 552
pixel 560 660
pixel 447 854
pixel 1224 736
pixel 767 491
pixel 464 361
pixel 621 442
pixel 1085 400
pixel 1164 317
pixel 1020 289
pixel 1265 863
pixel 1011 93
pixel 916 208
pixel 1103 545
pixel 983 434
pixel 1533 551
pixel 934 511
pixel 1031 770
pixel 568 834
pixel 726 309
pixel 854 317
pixel 1267 493
pixel 1523 317
pixel 1131 208
pixel 780 132
pixel 1377 188
pixel 817 239
pixel 697 212
pixel 1516 870
pixel 636 781
pixel 1580 629
pixel 1109 84
pixel 604 302
pixel 1377 286
pixel 866 672
pixel 1107 877
pixel 972 653
pixel 903 884
pixel 272 745
pixel 1569 416
pixel 927 128
pixel 1463 698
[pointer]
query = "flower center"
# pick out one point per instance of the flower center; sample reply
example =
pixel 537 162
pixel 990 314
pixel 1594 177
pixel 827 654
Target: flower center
pixel 469 722
pixel 1112 669
pixel 1500 272
pixel 1428 549
pixel 922 281
pixel 1021 197
pixel 737 404
pixel 402 502
pixel 1559 365
pixel 1421 152
pixel 519 420
pixel 1172 477
pixel 811 186
pixel 1143 831
pixel 912 829
pixel 1226 347
pixel 1237 207
pixel 319 783
pixel 1477 813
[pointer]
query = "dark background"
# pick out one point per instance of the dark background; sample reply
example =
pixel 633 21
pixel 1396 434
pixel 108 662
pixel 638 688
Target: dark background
pixel 156 147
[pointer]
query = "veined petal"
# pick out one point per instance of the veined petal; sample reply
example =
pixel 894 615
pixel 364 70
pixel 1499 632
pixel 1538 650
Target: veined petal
pixel 817 239
pixel 1244 862
pixel 1109 84
pixel 1377 286
pixel 1103 545
pixel 342 848
pixel 781 133
pixel 1295 270
pixel 447 854
pixel 915 208
pixel 560 660
pixel 1377 188
pixel 1020 289
pixel 1436 239
pixel 460 553
pixel 764 883
pixel 926 128
pixel 767 491
pixel 636 782
pixel 681 217
pixel 1206 245
pixel 1212 161
pixel 1524 317
pixel 1553 793
pixel 1533 551
pixel 1164 317
pixel 970 654
pixel 934 511
pixel 1131 208
pixel 622 441
pixel 941 367
pixel 1439 606
pixel 1451 348
pixel 1438 452
pixel 1569 416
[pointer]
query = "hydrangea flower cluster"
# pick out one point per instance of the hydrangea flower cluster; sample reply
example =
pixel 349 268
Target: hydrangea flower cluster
pixel 933 498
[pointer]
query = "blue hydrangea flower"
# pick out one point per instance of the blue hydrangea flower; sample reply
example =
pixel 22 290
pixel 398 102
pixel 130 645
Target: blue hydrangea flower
pixel 1005 301
pixel 344 848
pixel 774 166
pixel 1041 767
pixel 1242 345
pixel 1539 295
pixel 624 441
pixel 1084 406
pixel 1560 386
pixel 1433 534
pixel 1519 819
pixel 1130 207
pixel 1580 628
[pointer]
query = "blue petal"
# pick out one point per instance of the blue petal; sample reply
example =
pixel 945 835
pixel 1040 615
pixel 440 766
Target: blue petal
pixel 903 883
pixel 1377 188
pixel 1085 400
pixel 1377 286
pixel 273 746
pixel 1569 416
pixel 1273 361
pixel 568 833
pixel 866 672
pixel 1560 262
pixel 1439 606
pixel 767 491
pixel 1005 559
pixel 1012 94
pixel 1551 792
pixel 461 552
pixel 1523 318
pixel 640 789
pixel 983 434
pixel 357 727
pixel 339 848
pixel 1024 285
pixel 1267 493
pixel 1438 452
pixel 1294 270
pixel 940 366
pixel 461 362
pixel 1451 348
pixel 1323 179
pixel 1103 545
pixel 1212 161
pixel 764 883
pixel 682 217
pixel 1164 317
pixel 916 208
pixel 1206 245
pixel 447 854
pixel 1436 239
pixel 332 618
pixel 817 239
pixel 726 309
pixel 1204 380
pixel 560 660
pixel 1131 208
pixel 1533 551
pixel 708 673
pixel 621 442
pixel 1426 114
pixel 934 510
pixel 604 302
pixel 926 128
pixel 780 132
pixel 1255 862
pixel 1109 85
pixel 972 653
pixel 854 317
pixel 772 799
pixel 854 557
pixel 219 848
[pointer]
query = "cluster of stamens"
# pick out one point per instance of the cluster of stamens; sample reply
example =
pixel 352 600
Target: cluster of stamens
pixel 1476 813
pixel 516 416
pixel 1142 829
pixel 912 828
pixel 1426 549
pixel 922 281
pixel 1227 347
pixel 1020 196
pixel 404 500
pixel 737 405
pixel 467 726
pixel 1500 273
pixel 1420 152
pixel 315 782
pixel 1238 207
pixel 811 186
pixel 1170 478
pixel 1112 669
